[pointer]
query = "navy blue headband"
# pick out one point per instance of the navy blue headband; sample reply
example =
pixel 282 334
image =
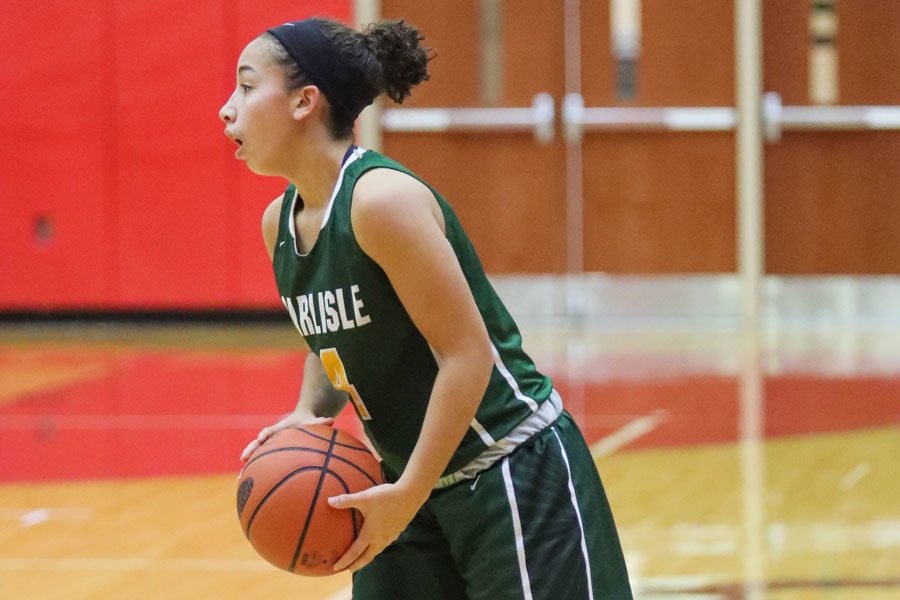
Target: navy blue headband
pixel 317 57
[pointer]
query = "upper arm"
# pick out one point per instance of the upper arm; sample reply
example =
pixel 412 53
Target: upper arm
pixel 270 221
pixel 398 223
pixel 317 392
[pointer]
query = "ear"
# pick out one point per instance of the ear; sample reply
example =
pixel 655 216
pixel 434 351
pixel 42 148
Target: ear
pixel 304 101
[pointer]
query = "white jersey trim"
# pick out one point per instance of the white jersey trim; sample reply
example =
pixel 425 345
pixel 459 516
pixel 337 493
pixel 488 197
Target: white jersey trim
pixel 357 152
pixel 482 433
pixel 498 362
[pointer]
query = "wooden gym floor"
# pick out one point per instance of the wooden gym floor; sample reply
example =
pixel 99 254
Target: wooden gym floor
pixel 729 479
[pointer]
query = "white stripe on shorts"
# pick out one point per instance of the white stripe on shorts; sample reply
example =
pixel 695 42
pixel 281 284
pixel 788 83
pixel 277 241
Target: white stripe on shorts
pixel 517 527
pixel 584 550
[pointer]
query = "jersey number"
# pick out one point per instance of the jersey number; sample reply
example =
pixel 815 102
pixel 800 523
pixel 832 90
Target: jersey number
pixel 334 367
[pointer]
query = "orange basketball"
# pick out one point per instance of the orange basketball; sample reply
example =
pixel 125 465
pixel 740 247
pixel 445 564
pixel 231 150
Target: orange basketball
pixel 283 491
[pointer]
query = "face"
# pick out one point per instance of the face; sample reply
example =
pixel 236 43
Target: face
pixel 259 116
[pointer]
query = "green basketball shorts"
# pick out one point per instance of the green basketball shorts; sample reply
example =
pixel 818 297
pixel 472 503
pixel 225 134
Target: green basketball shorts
pixel 534 526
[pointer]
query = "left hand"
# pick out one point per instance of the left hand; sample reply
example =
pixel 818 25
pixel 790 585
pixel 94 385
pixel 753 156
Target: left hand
pixel 387 509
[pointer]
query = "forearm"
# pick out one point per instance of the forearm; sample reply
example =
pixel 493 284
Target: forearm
pixel 318 402
pixel 455 397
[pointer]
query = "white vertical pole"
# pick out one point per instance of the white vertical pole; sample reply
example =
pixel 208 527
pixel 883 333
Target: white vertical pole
pixel 574 183
pixel 369 122
pixel 749 154
pixel 749 158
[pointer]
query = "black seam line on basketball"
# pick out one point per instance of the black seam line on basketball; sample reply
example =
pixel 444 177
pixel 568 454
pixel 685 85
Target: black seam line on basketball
pixel 284 449
pixel 352 510
pixel 271 491
pixel 315 498
pixel 325 439
pixel 316 451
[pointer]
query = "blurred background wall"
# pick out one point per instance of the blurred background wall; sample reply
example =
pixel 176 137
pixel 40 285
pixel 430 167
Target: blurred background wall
pixel 118 190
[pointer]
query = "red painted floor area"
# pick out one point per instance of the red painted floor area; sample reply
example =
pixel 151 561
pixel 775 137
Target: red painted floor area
pixel 153 413
pixel 170 413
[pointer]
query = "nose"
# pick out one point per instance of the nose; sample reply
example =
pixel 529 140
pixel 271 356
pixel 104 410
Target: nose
pixel 226 113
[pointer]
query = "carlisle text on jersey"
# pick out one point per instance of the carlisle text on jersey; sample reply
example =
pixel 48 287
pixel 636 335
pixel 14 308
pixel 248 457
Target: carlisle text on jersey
pixel 327 311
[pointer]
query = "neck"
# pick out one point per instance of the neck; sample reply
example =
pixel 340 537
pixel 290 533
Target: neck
pixel 317 170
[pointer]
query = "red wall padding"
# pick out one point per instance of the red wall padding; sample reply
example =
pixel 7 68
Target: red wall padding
pixel 111 139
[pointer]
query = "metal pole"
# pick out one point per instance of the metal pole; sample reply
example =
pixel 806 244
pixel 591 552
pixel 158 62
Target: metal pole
pixel 749 157
pixel 574 183
pixel 748 71
pixel 369 123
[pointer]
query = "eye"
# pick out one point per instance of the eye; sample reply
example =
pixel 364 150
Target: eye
pixel 245 88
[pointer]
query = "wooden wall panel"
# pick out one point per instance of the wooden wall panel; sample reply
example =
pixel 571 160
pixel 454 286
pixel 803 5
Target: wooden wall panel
pixel 662 202
pixel 507 190
pixel 450 27
pixel 831 197
pixel 687 54
pixel 831 205
pixel 659 203
pixel 503 191
pixel 785 48
pixel 869 46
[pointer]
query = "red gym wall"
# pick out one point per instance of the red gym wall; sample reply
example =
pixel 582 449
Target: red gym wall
pixel 117 187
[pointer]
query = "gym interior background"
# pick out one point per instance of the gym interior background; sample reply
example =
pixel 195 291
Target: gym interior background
pixel 690 207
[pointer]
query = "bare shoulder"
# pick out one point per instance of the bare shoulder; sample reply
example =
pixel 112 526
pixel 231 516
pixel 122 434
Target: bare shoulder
pixel 270 220
pixel 388 182
pixel 387 200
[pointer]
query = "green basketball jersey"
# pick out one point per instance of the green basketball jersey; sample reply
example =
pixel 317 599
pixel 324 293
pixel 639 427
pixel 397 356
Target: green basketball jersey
pixel 343 304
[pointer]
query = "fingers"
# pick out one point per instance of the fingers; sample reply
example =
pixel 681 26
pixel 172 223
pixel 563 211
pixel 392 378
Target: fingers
pixel 364 559
pixel 260 439
pixel 346 500
pixel 354 552
pixel 245 455
pixel 285 423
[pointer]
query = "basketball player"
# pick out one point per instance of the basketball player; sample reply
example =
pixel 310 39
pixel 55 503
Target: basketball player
pixel 492 492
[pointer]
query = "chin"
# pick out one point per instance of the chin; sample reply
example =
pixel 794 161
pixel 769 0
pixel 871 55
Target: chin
pixel 258 168
pixel 263 168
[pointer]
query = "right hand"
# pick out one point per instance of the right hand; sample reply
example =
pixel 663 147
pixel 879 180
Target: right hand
pixel 292 420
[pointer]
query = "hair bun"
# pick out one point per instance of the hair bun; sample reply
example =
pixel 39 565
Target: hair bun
pixel 404 62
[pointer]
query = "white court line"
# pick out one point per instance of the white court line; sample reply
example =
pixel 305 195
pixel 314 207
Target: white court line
pixel 34 517
pixel 14 513
pixel 628 433
pixel 855 475
pixel 29 517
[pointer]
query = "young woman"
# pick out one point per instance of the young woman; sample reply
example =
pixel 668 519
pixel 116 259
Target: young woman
pixel 492 492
